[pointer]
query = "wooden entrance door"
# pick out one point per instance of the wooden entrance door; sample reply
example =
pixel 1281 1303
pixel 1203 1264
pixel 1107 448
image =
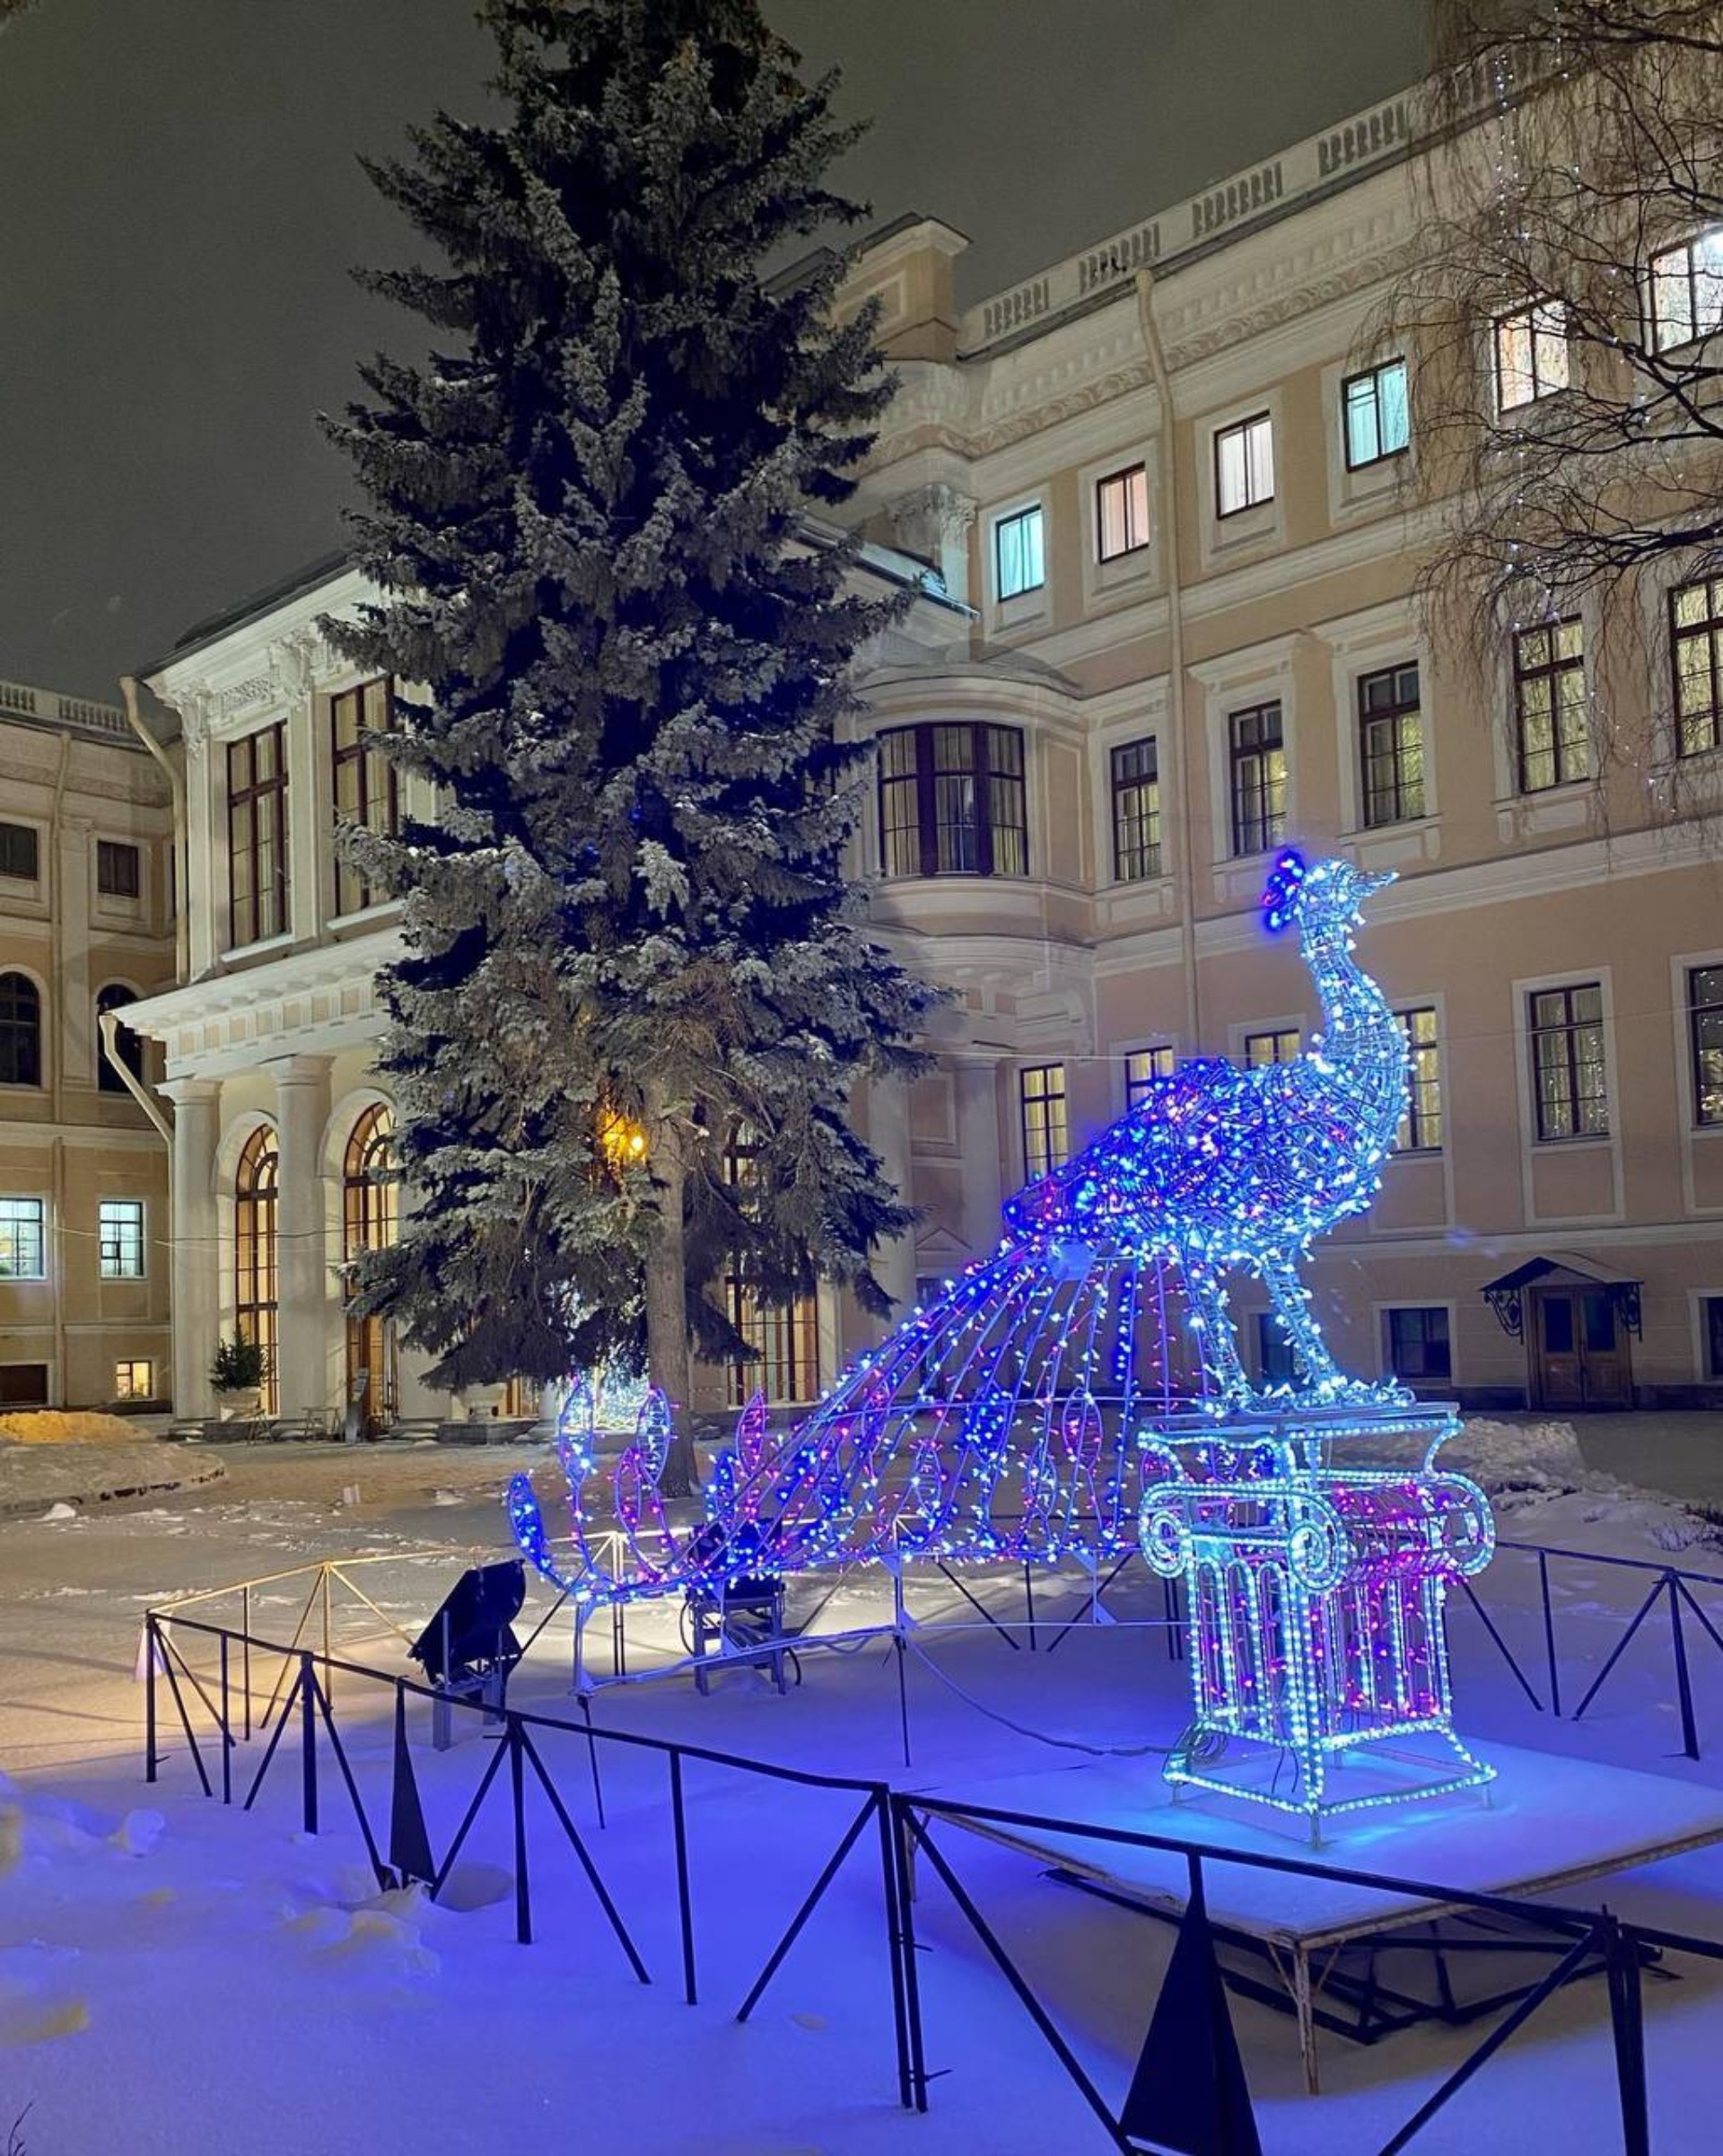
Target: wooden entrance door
pixel 1579 1350
pixel 372 1372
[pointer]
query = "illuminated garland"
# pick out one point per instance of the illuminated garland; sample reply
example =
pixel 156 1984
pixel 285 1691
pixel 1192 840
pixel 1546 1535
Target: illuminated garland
pixel 1039 1410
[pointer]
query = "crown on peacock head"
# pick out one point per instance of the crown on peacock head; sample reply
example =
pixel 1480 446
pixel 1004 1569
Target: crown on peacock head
pixel 1304 892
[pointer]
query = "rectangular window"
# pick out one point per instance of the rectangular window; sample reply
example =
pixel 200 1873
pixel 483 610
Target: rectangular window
pixel 1244 465
pixel 116 869
pixel 1531 354
pixel 24 1238
pixel 952 801
pixel 23 1384
pixel 1422 1131
pixel 1262 1050
pixel 1391 745
pixel 20 851
pixel 1136 812
pixel 1696 653
pixel 1258 778
pixel 366 782
pixel 257 836
pixel 1142 1070
pixel 1046 1136
pixel 135 1380
pixel 1570 1092
pixel 120 1233
pixel 1712 1316
pixel 785 1340
pixel 1419 1351
pixel 1554 739
pixel 1275 1360
pixel 1121 513
pixel 1705 1033
pixel 1377 412
pixel 1019 554
pixel 1687 291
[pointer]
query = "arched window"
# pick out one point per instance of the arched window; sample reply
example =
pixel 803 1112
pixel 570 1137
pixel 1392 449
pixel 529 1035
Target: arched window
pixel 368 1223
pixel 254 1249
pixel 115 997
pixel 20 1031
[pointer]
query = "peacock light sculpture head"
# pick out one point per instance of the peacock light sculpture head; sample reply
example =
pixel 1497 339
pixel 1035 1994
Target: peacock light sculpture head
pixel 1324 901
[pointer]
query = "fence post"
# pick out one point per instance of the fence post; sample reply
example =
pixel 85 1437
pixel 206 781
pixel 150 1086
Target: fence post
pixel 1029 1601
pixel 227 1733
pixel 1628 2027
pixel 1548 1632
pixel 308 1738
pixel 149 1698
pixel 894 1942
pixel 901 1830
pixel 1684 1683
pixel 245 1655
pixel 517 1785
pixel 684 1906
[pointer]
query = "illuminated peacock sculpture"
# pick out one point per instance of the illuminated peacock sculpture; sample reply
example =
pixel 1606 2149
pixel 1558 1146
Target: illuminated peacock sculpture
pixel 1044 1408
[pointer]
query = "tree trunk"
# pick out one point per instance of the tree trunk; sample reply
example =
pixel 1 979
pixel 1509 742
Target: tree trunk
pixel 667 1312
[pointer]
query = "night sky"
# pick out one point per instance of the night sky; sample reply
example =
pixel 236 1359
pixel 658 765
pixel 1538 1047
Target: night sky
pixel 179 204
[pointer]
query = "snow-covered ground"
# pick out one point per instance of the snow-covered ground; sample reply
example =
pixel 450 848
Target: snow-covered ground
pixel 179 1977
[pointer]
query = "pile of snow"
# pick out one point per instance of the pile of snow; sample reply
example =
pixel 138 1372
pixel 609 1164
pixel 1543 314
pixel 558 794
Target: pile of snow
pixel 1541 1491
pixel 1508 1458
pixel 67 1427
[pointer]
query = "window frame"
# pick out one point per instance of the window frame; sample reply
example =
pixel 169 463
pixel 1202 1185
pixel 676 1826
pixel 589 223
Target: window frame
pixel 1137 826
pixel 1567 1030
pixel 1538 334
pixel 1123 477
pixel 1274 821
pixel 1044 1119
pixel 131 1240
pixel 1277 1037
pixel 1695 1011
pixel 1422 1112
pixel 131 1390
pixel 15 1217
pixel 264 911
pixel 1011 520
pixel 1372 375
pixel 1145 1068
pixel 257 1248
pixel 1424 1311
pixel 22 1031
pixel 1710 629
pixel 921 783
pixel 111 852
pixel 1697 332
pixel 375 779
pixel 1391 717
pixel 1245 426
pixel 1555 671
pixel 9 831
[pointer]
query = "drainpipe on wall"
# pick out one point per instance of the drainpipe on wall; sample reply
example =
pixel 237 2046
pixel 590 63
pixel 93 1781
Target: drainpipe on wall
pixel 177 788
pixel 1176 689
pixel 109 1023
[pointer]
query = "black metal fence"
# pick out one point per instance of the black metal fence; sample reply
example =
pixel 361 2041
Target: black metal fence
pixel 1175 2096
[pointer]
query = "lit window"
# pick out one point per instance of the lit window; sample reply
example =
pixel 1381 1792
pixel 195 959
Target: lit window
pixel 1531 354
pixel 119 1238
pixel 1419 1351
pixel 1391 746
pixel 785 1339
pixel 1019 554
pixel 1696 653
pixel 1121 513
pixel 1422 1131
pixel 365 781
pixel 1712 1315
pixel 1046 1136
pixel 1705 1034
pixel 255 1311
pixel 1258 778
pixel 257 836
pixel 1570 1092
pixel 1136 812
pixel 1263 1050
pixel 135 1380
pixel 20 1031
pixel 1376 414
pixel 1687 290
pixel 116 869
pixel 1555 740
pixel 1143 1071
pixel 1244 465
pixel 20 852
pixel 24 1238
pixel 951 801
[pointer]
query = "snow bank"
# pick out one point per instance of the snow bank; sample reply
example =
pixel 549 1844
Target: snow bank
pixel 1542 1491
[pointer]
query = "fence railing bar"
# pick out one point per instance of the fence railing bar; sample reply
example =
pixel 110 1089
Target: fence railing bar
pixel 1564 1971
pixel 371 1851
pixel 1093 1600
pixel 1552 1664
pixel 270 1748
pixel 815 1894
pixel 979 1607
pixel 579 1846
pixel 400 1631
pixel 517 1797
pixel 1621 1647
pixel 287 1653
pixel 465 1827
pixel 895 1947
pixel 1687 1597
pixel 192 1678
pixel 185 1720
pixel 1502 1648
pixel 683 1899
pixel 1008 1969
pixel 899 1840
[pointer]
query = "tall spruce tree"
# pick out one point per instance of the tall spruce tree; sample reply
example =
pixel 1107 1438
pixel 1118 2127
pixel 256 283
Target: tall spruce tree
pixel 637 992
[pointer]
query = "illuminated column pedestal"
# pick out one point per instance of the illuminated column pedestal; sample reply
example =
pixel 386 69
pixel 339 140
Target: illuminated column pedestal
pixel 1316 1550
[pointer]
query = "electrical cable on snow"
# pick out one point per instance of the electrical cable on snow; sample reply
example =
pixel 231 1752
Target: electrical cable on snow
pixel 1062 1744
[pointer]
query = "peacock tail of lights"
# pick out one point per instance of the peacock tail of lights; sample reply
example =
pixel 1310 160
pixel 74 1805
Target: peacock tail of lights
pixel 1082 1390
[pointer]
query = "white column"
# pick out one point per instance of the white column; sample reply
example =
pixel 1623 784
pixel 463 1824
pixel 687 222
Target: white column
pixel 888 1134
pixel 303 1361
pixel 196 1252
pixel 980 1145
